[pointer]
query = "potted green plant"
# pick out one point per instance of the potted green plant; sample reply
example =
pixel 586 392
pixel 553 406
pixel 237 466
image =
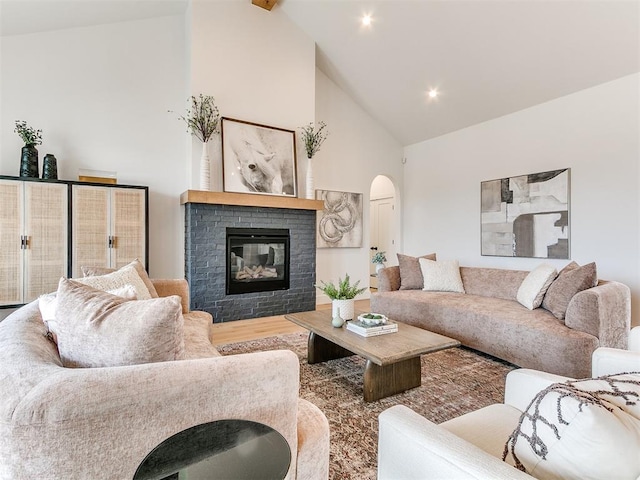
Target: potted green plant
pixel 202 121
pixel 29 158
pixel 378 260
pixel 342 296
pixel 312 137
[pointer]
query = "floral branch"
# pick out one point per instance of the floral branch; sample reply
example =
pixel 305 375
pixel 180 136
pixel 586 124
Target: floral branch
pixel 29 135
pixel 313 138
pixel 203 117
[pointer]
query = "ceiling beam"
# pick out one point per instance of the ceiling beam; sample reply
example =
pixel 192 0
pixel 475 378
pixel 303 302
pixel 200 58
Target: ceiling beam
pixel 266 4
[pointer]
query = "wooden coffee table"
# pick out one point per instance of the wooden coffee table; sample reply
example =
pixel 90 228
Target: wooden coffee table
pixel 393 359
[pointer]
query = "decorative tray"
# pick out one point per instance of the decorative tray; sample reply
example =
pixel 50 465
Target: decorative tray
pixel 372 318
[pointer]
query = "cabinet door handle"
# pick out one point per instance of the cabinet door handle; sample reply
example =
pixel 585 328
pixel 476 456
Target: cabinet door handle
pixel 24 242
pixel 112 241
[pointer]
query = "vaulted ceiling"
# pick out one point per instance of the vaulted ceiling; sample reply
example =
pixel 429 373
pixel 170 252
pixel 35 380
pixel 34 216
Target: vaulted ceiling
pixel 486 58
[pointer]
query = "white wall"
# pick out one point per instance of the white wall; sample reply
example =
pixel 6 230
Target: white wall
pixel 594 132
pixel 355 152
pixel 101 94
pixel 258 65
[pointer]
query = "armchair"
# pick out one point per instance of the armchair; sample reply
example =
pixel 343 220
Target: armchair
pixel 99 423
pixel 471 446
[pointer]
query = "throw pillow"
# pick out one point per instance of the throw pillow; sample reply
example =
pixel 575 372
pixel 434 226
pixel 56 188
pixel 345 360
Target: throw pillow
pixel 581 429
pixel 535 285
pixel 97 329
pixel 137 264
pixel 410 273
pixel 48 303
pixel 441 276
pixel 571 280
pixel 127 275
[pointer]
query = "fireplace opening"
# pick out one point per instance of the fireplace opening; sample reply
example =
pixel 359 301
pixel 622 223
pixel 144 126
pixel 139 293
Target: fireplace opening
pixel 257 260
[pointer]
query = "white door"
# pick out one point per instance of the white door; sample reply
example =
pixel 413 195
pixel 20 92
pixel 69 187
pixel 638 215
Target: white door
pixel 382 220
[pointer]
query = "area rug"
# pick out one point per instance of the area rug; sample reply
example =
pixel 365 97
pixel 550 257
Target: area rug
pixel 454 382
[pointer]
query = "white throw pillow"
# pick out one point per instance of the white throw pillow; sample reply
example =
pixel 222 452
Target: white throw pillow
pixel 581 429
pixel 127 275
pixel 535 285
pixel 441 275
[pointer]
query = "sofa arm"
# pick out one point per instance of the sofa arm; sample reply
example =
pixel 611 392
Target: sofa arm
pixel 168 287
pixel 608 361
pixel 313 442
pixel 412 447
pixel 523 384
pixel 604 312
pixel 634 339
pixel 389 279
pixel 100 423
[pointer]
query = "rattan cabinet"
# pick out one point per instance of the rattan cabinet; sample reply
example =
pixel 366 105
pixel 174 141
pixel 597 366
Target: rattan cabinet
pixel 109 226
pixel 51 228
pixel 34 237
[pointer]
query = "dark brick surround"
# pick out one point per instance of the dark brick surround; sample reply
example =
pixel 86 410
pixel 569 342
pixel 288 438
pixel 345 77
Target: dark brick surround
pixel 205 237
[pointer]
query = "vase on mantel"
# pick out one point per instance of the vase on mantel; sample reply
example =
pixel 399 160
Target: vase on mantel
pixel 309 189
pixel 205 169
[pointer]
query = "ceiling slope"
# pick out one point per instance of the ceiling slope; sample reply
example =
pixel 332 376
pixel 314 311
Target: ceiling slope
pixel 486 58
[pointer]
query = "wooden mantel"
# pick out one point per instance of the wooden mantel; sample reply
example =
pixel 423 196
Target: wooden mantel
pixel 249 200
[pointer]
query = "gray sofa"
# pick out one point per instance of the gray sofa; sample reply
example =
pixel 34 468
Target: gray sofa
pixel 488 318
pixel 99 423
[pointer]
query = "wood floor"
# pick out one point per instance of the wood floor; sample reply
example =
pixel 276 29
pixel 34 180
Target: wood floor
pixel 244 330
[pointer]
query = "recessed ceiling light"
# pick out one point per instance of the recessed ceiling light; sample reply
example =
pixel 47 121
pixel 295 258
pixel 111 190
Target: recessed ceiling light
pixel 366 20
pixel 433 93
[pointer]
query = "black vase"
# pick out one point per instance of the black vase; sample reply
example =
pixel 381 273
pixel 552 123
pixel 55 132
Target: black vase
pixel 29 161
pixel 50 167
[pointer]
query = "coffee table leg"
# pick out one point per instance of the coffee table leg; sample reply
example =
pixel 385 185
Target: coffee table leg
pixel 380 382
pixel 320 349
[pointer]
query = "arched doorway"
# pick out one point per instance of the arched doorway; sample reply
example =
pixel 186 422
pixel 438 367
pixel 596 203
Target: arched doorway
pixel 382 216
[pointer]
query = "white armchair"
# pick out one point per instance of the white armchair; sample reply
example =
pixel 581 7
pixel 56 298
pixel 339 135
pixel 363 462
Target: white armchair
pixel 471 446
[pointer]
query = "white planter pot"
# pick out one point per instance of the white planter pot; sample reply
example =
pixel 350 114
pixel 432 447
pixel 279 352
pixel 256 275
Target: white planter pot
pixel 346 309
pixel 379 266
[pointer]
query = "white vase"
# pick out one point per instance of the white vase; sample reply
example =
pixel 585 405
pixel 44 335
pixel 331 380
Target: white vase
pixel 346 308
pixel 205 169
pixel 309 186
pixel 379 266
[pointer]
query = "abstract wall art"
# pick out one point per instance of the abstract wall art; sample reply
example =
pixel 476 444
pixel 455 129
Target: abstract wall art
pixel 340 223
pixel 526 216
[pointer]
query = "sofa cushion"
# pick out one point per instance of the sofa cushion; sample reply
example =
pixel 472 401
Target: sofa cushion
pixel 89 271
pixel 535 285
pixel 127 275
pixel 581 429
pixel 97 329
pixel 571 280
pixel 441 276
pixel 410 273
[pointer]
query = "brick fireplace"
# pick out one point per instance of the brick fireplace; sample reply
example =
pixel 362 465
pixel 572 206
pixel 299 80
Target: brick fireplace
pixel 208 218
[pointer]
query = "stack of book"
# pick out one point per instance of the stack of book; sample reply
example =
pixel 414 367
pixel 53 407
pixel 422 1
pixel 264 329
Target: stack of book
pixel 371 330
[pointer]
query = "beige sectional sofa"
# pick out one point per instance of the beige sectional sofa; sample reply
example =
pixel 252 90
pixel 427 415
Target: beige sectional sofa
pixel 100 423
pixel 488 318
